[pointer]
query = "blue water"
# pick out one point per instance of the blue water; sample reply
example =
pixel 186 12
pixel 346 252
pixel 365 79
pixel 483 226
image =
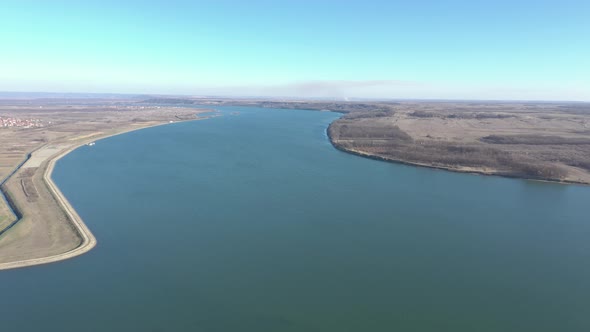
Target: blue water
pixel 254 222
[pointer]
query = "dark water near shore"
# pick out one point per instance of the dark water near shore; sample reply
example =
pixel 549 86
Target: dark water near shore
pixel 254 222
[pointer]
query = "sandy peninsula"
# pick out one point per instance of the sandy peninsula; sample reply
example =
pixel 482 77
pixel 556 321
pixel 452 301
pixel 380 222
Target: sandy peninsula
pixel 37 223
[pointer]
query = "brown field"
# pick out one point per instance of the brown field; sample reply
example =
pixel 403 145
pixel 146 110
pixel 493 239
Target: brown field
pixel 542 141
pixel 45 229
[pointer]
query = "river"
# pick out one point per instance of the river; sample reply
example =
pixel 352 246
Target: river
pixel 252 221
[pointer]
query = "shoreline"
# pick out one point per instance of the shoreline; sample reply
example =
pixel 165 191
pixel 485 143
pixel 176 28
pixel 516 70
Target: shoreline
pixel 88 240
pixel 449 169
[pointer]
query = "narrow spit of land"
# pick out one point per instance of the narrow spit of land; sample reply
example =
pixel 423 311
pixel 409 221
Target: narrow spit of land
pixel 37 223
pixel 77 240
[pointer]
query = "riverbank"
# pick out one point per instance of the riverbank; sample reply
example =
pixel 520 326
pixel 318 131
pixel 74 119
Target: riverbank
pixel 337 145
pixel 88 241
pixel 450 169
pixel 548 146
pixel 47 228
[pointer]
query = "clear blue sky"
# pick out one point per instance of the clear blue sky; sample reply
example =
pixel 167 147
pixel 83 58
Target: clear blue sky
pixel 396 49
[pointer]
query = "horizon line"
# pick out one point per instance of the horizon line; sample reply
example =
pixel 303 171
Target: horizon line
pixel 5 95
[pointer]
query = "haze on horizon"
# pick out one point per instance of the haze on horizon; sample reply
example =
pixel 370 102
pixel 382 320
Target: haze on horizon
pixel 525 50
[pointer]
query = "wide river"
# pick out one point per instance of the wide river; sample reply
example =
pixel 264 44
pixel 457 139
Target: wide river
pixel 252 221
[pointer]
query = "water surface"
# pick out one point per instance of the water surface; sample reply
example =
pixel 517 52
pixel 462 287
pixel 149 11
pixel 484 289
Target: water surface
pixel 254 222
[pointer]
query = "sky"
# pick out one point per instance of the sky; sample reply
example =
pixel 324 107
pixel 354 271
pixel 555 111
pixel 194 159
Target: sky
pixel 477 49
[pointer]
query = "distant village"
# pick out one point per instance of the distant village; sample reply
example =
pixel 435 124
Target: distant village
pixel 6 122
